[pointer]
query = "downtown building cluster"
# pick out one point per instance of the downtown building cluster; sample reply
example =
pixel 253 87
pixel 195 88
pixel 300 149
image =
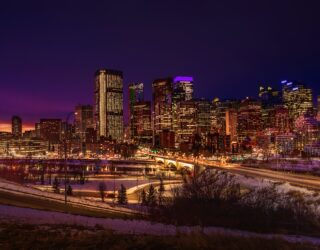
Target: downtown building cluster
pixel 279 120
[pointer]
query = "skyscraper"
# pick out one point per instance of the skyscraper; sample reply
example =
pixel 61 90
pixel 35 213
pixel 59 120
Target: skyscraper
pixel 182 95
pixel 162 106
pixel 50 130
pixel 37 128
pixel 109 104
pixel 232 124
pixel 280 119
pixel 297 98
pixel 185 124
pixel 218 112
pixel 270 99
pixel 182 88
pixel 307 130
pixel 136 95
pixel 16 126
pixel 141 123
pixel 249 121
pixel 83 120
pixel 318 108
pixel 203 116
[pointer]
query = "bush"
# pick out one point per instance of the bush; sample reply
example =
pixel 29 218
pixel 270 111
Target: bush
pixel 122 195
pixel 214 199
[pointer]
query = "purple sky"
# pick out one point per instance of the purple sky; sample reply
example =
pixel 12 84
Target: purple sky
pixel 49 50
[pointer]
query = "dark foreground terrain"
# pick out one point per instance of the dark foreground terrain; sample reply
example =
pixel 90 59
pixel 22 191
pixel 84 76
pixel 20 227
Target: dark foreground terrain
pixel 23 236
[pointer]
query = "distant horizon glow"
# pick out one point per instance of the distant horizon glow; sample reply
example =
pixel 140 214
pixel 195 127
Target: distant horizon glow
pixel 6 127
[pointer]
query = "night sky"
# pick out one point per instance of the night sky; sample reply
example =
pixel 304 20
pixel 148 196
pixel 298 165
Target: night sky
pixel 49 50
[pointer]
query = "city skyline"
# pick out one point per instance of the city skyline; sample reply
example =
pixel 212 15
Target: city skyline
pixel 50 70
pixel 6 125
pixel 160 124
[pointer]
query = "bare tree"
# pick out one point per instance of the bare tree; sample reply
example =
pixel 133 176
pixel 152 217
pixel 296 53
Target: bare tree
pixel 102 187
pixel 161 191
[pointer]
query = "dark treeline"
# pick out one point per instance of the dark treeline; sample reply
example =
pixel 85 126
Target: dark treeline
pixel 216 199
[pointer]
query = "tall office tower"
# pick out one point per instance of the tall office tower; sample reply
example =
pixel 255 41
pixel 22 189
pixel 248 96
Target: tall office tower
pixel 162 106
pixel 83 120
pixel 213 115
pixel 182 88
pixel 141 123
pixel 136 95
pixel 280 119
pixel 67 130
pixel 185 124
pixel 218 112
pixel 16 126
pixel 270 99
pixel 203 117
pixel 37 128
pixel 318 108
pixel 249 120
pixel 297 98
pixel 108 110
pixel 182 91
pixel 50 130
pixel 307 130
pixel 232 124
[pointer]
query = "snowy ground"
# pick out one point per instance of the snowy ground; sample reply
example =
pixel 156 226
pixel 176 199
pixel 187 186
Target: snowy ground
pixel 91 186
pixel 32 216
pixel 15 188
pixel 256 182
pixel 128 182
pixel 293 164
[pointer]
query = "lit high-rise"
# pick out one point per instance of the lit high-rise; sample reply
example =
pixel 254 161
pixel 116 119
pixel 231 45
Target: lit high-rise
pixel 162 105
pixel 297 98
pixel 182 88
pixel 136 96
pixel 203 116
pixel 16 126
pixel 270 100
pixel 50 130
pixel 83 120
pixel 182 96
pixel 109 104
pixel 232 124
pixel 185 124
pixel 141 129
pixel 249 121
pixel 318 108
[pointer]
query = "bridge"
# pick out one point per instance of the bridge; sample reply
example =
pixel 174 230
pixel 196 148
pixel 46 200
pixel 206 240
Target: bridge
pixel 62 161
pixel 90 164
pixel 298 179
pixel 173 163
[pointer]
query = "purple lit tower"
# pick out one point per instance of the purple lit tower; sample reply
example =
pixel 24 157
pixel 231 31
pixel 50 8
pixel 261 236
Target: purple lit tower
pixel 183 88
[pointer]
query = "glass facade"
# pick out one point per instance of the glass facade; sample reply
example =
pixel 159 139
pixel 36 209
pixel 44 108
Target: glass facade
pixel 109 104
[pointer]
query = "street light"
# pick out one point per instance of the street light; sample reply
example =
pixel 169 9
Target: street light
pixel 66 155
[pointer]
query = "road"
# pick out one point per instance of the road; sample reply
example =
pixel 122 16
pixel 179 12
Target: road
pixel 80 203
pixel 302 180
